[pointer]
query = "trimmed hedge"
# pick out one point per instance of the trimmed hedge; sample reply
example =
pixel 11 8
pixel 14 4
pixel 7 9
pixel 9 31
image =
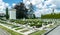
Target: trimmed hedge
pixel 33 22
pixel 51 16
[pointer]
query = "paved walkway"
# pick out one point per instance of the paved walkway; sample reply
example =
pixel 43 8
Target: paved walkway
pixel 2 32
pixel 55 31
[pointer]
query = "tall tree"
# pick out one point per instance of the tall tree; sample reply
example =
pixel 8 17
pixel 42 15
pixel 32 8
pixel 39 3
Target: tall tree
pixel 7 15
pixel 21 11
pixel 31 11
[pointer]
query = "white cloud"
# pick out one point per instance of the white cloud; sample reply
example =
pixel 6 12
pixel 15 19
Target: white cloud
pixel 0 0
pixel 13 4
pixel 7 4
pixel 57 3
pixel 9 7
pixel 53 6
pixel 39 5
pixel 3 6
pixel 38 13
pixel 33 2
pixel 38 2
pixel 44 8
pixel 48 2
pixel 27 2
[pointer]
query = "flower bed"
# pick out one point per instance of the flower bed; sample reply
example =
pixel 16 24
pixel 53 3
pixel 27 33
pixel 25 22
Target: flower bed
pixel 18 28
pixel 24 31
pixel 10 31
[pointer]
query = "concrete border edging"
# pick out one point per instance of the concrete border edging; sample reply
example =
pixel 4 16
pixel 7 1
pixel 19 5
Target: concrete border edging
pixel 50 30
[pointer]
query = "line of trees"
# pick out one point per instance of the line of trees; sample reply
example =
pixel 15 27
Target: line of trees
pixel 22 11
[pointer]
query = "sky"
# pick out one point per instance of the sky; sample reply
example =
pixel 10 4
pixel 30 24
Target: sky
pixel 10 2
pixel 17 1
pixel 56 2
pixel 42 6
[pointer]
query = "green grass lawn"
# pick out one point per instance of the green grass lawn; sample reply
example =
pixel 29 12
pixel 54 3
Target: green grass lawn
pixel 24 31
pixel 18 28
pixel 38 32
pixel 10 31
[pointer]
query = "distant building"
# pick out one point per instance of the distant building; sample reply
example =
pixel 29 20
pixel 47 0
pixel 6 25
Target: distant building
pixel 12 14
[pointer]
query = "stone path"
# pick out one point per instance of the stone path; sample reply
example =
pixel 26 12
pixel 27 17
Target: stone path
pixel 55 31
pixel 3 32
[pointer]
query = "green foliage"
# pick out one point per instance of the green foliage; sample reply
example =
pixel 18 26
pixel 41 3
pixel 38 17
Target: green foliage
pixel 51 16
pixel 12 20
pixel 21 11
